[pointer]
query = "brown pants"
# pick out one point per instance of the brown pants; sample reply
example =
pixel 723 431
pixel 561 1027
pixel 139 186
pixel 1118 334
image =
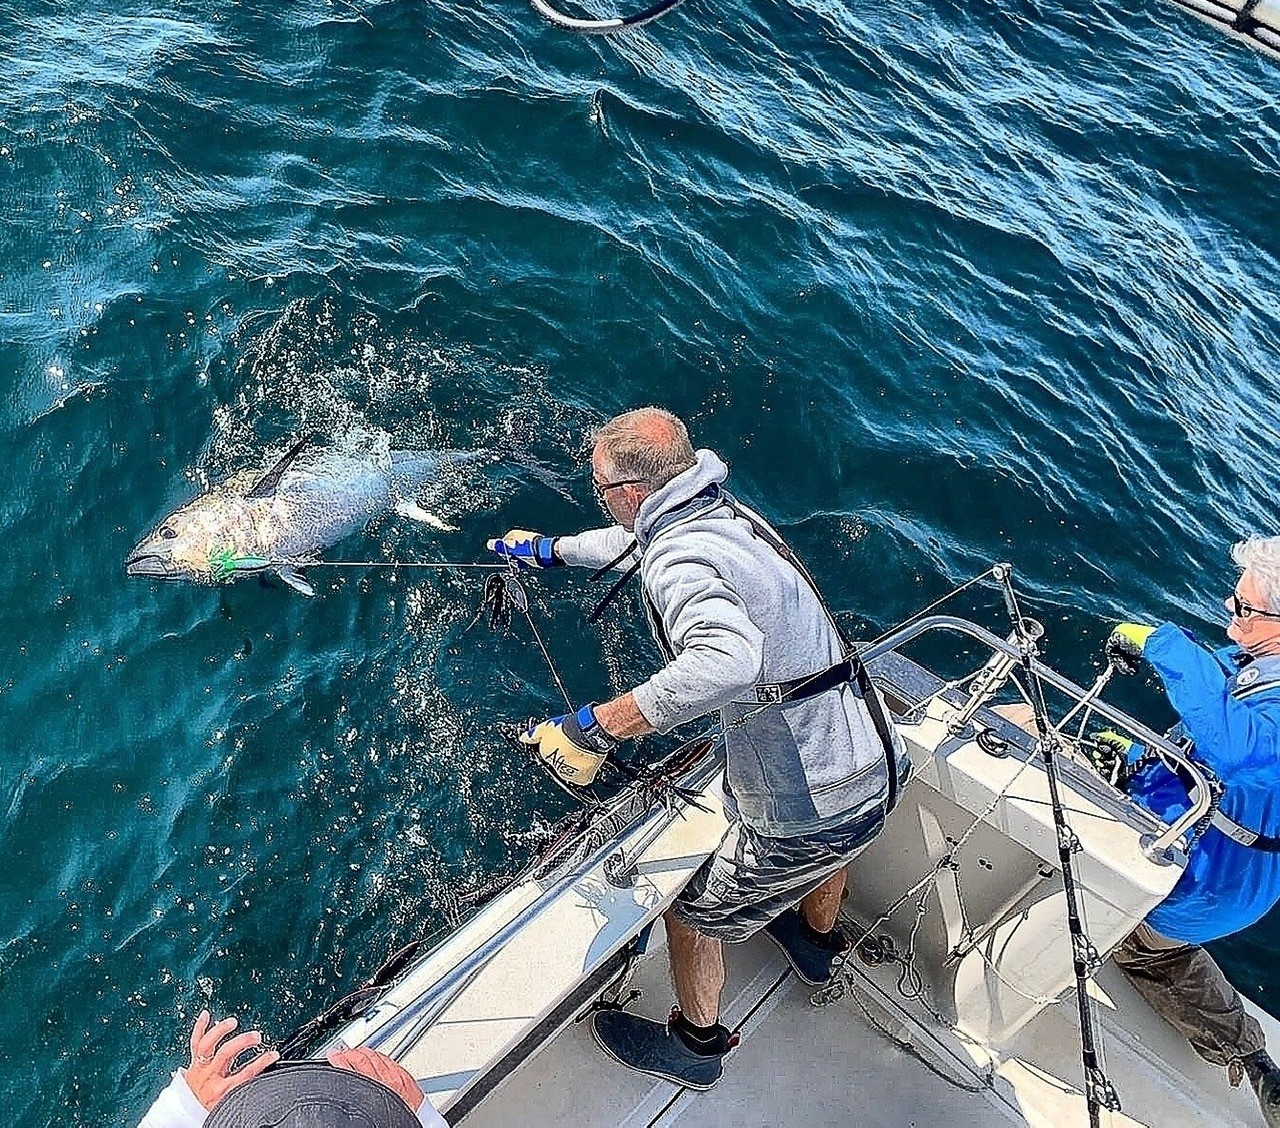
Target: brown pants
pixel 1188 990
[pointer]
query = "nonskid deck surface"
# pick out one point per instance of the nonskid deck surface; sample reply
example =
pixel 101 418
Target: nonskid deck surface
pixel 804 1066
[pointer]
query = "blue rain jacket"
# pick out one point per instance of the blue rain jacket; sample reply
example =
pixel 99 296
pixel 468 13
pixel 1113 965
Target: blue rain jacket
pixel 1230 708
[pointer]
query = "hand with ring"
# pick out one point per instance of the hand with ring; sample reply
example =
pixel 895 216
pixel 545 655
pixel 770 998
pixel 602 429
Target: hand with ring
pixel 210 1076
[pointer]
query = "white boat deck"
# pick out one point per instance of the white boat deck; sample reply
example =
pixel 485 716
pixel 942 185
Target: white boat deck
pixel 970 855
pixel 800 1065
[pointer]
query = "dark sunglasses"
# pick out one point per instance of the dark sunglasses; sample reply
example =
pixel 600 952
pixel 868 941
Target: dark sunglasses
pixel 603 488
pixel 1243 610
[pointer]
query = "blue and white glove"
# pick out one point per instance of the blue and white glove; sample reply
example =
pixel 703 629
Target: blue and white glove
pixel 529 550
pixel 573 746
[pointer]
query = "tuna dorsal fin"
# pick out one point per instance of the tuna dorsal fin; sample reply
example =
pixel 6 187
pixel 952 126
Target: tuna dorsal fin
pixel 266 485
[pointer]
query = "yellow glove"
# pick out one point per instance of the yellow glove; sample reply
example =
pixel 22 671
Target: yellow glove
pixel 573 746
pixel 1125 644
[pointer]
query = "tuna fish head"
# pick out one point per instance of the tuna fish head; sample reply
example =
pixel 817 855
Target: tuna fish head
pixel 231 530
pixel 218 536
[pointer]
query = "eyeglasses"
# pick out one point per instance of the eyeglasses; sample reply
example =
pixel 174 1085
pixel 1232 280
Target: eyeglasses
pixel 602 488
pixel 1243 610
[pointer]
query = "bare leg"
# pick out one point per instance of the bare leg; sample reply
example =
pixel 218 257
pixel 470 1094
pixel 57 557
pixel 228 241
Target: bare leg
pixel 820 907
pixel 697 969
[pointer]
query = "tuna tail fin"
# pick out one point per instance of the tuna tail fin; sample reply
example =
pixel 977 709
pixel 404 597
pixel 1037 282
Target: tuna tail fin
pixel 415 472
pixel 266 485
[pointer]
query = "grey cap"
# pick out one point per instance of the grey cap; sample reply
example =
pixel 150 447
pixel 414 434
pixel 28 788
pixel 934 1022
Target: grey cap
pixel 311 1094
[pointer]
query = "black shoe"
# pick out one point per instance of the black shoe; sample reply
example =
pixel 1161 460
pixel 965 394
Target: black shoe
pixel 1264 1076
pixel 811 962
pixel 654 1048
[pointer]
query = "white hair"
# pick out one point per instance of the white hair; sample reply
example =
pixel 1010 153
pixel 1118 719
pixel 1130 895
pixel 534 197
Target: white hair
pixel 1261 557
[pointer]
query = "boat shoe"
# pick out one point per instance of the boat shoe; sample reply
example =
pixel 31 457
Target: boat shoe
pixel 656 1049
pixel 811 962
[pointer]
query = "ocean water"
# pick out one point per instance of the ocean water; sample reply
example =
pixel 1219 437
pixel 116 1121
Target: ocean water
pixel 944 284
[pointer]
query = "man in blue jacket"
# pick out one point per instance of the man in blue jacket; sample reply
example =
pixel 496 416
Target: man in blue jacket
pixel 1229 705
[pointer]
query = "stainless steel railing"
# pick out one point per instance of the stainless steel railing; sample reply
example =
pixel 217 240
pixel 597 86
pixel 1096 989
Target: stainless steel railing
pixel 1201 794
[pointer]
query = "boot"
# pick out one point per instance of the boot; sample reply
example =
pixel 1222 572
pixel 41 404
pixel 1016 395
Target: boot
pixel 1264 1076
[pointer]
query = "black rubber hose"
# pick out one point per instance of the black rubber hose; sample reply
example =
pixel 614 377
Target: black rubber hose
pixel 602 27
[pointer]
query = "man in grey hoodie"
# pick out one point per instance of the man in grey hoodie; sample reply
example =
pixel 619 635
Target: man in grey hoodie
pixel 812 762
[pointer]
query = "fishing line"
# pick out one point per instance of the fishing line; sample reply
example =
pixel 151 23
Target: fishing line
pixel 382 564
pixel 528 614
pixel 602 26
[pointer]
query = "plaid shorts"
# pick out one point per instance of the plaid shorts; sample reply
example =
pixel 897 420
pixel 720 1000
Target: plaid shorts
pixel 752 878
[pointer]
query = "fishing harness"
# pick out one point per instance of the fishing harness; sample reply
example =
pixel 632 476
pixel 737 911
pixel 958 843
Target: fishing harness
pixel 849 670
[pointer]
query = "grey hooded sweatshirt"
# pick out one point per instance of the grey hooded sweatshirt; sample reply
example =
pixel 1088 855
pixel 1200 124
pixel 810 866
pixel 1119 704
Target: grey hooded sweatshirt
pixel 730 613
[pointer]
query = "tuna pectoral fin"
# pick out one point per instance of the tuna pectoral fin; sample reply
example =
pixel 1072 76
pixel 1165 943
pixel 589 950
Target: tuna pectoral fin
pixel 415 512
pixel 295 579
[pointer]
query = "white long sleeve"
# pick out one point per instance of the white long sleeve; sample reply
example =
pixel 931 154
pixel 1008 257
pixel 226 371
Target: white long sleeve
pixel 177 1107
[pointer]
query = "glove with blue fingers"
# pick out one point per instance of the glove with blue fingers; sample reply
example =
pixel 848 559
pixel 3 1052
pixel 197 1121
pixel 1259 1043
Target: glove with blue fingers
pixel 1109 753
pixel 529 550
pixel 573 746
pixel 1124 646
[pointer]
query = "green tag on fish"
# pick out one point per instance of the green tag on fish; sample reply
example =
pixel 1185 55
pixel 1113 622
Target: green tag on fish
pixel 224 563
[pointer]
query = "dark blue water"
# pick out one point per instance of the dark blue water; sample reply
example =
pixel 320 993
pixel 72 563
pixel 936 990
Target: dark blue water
pixel 945 284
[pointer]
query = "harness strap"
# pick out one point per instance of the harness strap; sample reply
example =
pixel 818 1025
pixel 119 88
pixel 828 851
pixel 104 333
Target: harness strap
pixel 612 594
pixel 1254 690
pixel 1225 824
pixel 860 677
pixel 1221 821
pixel 849 669
pixel 1243 835
pixel 605 569
pixel 801 689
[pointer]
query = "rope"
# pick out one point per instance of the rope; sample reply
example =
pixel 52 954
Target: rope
pixel 988 574
pixel 604 26
pixel 555 674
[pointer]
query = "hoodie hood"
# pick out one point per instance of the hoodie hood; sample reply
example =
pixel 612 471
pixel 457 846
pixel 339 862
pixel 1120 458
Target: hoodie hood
pixel 663 506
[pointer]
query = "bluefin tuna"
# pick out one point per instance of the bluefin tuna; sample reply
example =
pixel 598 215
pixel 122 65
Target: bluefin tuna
pixel 280 519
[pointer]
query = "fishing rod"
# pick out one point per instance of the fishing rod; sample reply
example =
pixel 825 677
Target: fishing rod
pixel 608 26
pixel 1098 1090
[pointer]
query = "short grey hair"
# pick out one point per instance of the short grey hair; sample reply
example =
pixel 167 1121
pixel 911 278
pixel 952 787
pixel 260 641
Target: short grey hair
pixel 649 444
pixel 1261 556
